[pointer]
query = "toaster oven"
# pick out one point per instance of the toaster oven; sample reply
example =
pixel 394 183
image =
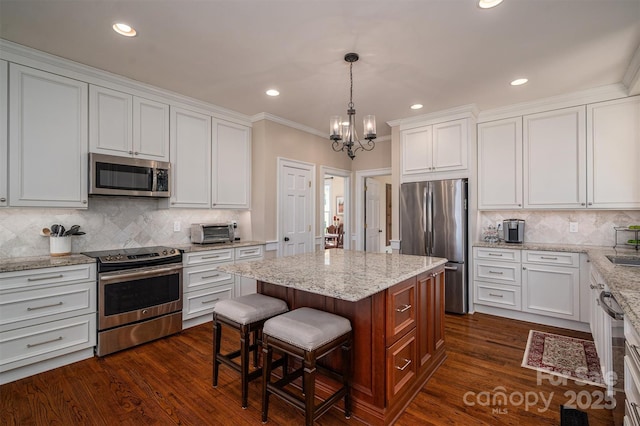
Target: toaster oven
pixel 211 233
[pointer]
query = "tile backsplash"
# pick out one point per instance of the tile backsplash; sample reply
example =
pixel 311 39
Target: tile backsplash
pixel 594 227
pixel 109 222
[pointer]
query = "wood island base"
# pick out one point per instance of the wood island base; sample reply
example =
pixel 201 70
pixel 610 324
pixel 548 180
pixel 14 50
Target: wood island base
pixel 398 341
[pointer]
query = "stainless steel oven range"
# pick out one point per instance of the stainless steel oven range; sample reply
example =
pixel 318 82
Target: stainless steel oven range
pixel 139 296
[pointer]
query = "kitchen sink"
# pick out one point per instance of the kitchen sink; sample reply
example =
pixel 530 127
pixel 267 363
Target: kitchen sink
pixel 624 260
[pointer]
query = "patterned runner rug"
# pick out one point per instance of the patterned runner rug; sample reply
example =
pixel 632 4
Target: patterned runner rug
pixel 563 356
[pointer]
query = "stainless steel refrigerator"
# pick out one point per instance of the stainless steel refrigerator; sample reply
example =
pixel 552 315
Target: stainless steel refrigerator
pixel 433 222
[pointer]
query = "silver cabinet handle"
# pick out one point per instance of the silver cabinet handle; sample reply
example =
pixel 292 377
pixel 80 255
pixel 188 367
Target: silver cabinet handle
pixel 51 277
pixel 590 203
pixel 496 272
pixel 495 254
pixel 582 204
pixel 210 276
pixel 31 345
pixel 2 200
pixel 496 295
pixel 548 258
pixel 524 269
pixel 44 306
pixel 407 362
pixel 215 256
pixel 403 308
pixel 206 302
pixel 130 152
pixel 250 252
pixel 136 153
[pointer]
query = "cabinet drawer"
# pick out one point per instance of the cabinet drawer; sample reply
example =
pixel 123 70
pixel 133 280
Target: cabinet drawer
pixel 552 258
pixel 505 255
pixel 199 277
pixel 498 272
pixel 249 253
pixel 210 256
pixel 33 305
pixel 201 302
pixel 401 365
pixel 47 276
pixel 401 309
pixel 33 344
pixel 507 297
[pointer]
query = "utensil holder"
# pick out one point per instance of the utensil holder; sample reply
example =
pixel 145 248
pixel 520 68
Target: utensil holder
pixel 60 246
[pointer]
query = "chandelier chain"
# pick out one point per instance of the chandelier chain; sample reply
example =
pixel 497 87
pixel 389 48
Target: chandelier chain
pixel 351 88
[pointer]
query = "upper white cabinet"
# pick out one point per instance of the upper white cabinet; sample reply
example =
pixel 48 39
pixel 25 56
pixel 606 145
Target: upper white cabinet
pixel 555 159
pixel 440 147
pixel 4 103
pixel 500 164
pixel 47 139
pixel 231 163
pixel 613 154
pixel 126 125
pixel 191 159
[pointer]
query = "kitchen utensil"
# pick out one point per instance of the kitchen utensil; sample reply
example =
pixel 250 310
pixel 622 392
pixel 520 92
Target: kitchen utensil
pixel 54 229
pixel 73 230
pixel 79 233
pixel 60 231
pixel 45 232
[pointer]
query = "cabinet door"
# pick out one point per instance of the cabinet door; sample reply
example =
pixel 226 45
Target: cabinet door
pixel 110 125
pixel 47 139
pixel 190 159
pixel 500 164
pixel 4 102
pixel 416 150
pixel 555 159
pixel 430 321
pixel 231 160
pixel 613 154
pixel 150 129
pixel 551 290
pixel 449 149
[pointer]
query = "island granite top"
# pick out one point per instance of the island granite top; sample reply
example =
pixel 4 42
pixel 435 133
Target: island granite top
pixel 341 274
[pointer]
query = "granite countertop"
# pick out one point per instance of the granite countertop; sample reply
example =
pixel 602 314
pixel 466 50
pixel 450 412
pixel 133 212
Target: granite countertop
pixel 341 274
pixel 190 248
pixel 623 281
pixel 13 264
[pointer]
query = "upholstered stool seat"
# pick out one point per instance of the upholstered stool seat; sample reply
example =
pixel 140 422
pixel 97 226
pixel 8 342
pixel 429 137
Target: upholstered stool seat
pixel 307 334
pixel 246 314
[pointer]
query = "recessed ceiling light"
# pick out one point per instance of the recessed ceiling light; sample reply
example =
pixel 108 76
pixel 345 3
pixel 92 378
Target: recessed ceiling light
pixel 488 4
pixel 519 81
pixel 124 29
pixel 416 106
pixel 272 92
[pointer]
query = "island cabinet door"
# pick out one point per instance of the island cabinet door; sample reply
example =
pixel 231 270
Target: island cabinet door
pixel 401 309
pixel 402 368
pixel 430 323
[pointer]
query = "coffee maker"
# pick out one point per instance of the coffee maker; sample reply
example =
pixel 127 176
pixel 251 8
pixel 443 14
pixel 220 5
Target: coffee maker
pixel 513 230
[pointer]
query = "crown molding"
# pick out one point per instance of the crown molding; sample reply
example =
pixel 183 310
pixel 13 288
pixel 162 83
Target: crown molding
pixel 631 78
pixel 27 56
pixel 583 97
pixel 464 111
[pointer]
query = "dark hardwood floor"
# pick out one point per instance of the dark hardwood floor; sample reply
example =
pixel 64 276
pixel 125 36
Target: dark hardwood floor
pixel 168 382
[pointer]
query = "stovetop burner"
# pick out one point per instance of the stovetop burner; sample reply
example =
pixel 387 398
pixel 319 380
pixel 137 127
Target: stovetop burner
pixel 135 257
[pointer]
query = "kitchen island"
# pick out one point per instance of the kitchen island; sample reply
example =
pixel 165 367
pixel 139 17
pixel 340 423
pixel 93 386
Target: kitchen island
pixel 396 307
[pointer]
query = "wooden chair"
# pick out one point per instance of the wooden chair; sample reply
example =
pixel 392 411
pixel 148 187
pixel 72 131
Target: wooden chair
pixel 340 232
pixel 331 242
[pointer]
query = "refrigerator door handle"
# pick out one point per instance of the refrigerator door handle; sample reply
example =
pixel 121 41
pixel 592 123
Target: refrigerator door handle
pixel 425 216
pixel 430 219
pixel 451 268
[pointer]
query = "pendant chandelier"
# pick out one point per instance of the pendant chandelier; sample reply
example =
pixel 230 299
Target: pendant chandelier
pixel 345 132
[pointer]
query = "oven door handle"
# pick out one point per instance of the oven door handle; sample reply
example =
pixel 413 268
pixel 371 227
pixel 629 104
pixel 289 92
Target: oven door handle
pixel 608 309
pixel 135 274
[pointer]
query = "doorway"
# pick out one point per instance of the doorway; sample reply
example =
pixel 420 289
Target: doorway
pixel 373 210
pixel 336 210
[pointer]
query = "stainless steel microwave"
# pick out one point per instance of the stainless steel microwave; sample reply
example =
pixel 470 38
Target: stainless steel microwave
pixel 113 175
pixel 209 233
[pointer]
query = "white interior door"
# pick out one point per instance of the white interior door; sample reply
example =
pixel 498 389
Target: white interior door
pixel 296 212
pixel 372 215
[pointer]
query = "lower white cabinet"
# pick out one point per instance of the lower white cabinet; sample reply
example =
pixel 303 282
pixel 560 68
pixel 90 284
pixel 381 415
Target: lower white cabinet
pixel 47 319
pixel 497 278
pixel 204 285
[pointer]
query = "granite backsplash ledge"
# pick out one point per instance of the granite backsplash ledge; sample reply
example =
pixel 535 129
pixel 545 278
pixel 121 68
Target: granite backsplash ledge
pixel 109 222
pixel 594 227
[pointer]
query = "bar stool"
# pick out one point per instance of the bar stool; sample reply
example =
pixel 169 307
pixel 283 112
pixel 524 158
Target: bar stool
pixel 246 314
pixel 307 334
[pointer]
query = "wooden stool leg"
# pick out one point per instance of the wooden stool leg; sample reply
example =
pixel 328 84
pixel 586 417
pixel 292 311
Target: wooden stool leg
pixel 309 384
pixel 245 342
pixel 217 332
pixel 255 351
pixel 267 354
pixel 346 362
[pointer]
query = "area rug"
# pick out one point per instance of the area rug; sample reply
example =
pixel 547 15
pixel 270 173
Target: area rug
pixel 563 356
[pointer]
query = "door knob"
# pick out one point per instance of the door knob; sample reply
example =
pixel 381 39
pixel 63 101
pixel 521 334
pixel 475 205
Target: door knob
pixel 286 238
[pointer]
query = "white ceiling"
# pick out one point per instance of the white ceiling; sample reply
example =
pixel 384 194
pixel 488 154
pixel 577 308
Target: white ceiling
pixel 440 53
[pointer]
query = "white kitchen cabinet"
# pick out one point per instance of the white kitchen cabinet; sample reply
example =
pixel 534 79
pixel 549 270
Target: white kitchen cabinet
pixel 555 159
pixel 47 139
pixel 246 285
pixel 500 164
pixel 551 284
pixel 231 163
pixel 4 162
pixel 497 278
pixel 47 319
pixel 440 147
pixel 190 159
pixel 613 154
pixel 127 125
